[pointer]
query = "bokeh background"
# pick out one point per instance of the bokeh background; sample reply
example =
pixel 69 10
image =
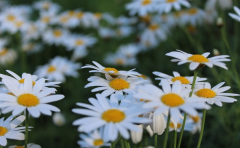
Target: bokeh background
pixel 222 127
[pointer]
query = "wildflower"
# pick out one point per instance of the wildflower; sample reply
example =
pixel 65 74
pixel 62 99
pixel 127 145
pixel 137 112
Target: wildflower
pixel 235 16
pixel 59 119
pixel 30 145
pixel 167 5
pixel 141 7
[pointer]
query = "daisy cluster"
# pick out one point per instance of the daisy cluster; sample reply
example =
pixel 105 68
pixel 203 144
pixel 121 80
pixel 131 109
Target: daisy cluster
pixel 23 95
pixel 128 103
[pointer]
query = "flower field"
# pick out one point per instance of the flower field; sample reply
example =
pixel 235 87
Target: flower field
pixel 119 74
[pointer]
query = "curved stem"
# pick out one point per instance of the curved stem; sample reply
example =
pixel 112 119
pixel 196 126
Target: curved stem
pixel 185 115
pixel 175 139
pixel 202 128
pixel 167 131
pixel 26 129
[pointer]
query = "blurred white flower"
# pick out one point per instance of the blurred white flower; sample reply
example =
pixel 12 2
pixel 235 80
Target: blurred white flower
pixel 59 119
pixel 141 7
pixel 7 56
pixel 30 145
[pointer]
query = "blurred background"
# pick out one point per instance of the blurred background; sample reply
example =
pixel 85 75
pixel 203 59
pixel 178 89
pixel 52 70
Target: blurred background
pixel 106 29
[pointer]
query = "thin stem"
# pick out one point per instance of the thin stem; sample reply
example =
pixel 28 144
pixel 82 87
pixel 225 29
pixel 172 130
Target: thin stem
pixel 185 115
pixel 175 139
pixel 190 140
pixel 127 145
pixel 115 142
pixel 167 130
pixel 202 128
pixel 122 143
pixel 26 129
pixel 156 140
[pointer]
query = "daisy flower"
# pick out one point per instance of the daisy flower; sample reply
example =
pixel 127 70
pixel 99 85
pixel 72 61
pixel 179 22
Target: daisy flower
pixel 118 86
pixel 120 59
pixel 196 122
pixel 93 139
pixel 9 129
pixel 46 6
pixel 189 126
pixel 215 95
pixel 177 77
pixel 194 16
pixel 58 68
pixel 110 71
pixel 55 36
pixel 198 60
pixel 7 56
pixel 235 16
pixel 141 7
pixel 30 145
pixel 29 97
pixel 113 117
pixel 130 50
pixel 172 98
pixel 167 5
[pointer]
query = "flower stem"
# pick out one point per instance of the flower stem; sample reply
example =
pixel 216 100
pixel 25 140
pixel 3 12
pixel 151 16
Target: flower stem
pixel 167 130
pixel 26 129
pixel 175 139
pixel 202 128
pixel 156 139
pixel 127 145
pixel 185 115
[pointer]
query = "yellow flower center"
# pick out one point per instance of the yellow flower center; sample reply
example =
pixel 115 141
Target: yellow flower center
pixel 153 27
pixel 51 69
pixel 46 5
pixel 71 13
pixel 146 2
pixel 46 19
pixel 111 69
pixel 3 130
pixel 206 93
pixel 171 125
pixel 79 14
pixel 171 1
pixel 119 84
pixel 98 15
pixel 3 52
pixel 57 33
pixel 28 100
pixel 146 18
pixel 98 142
pixel 113 115
pixel 79 42
pixel 183 80
pixel 192 11
pixel 11 17
pixel 172 100
pixel 119 61
pixel 19 147
pixel 198 58
pixel 22 81
pixel 195 118
pixel 64 19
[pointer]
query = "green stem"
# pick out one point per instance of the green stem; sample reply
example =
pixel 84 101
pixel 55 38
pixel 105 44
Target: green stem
pixel 156 139
pixel 115 142
pixel 122 143
pixel 167 130
pixel 175 139
pixel 127 145
pixel 202 128
pixel 26 129
pixel 190 140
pixel 185 115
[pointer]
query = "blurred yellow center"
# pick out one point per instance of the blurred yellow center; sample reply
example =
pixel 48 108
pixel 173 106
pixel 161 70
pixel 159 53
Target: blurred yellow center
pixel 113 70
pixel 206 93
pixel 195 118
pixel 79 42
pixel 57 33
pixel 198 58
pixel 18 24
pixel 79 14
pixel 146 2
pixel 22 81
pixel 19 147
pixel 172 100
pixel 171 1
pixel 46 5
pixel 119 61
pixel 98 142
pixel 11 17
pixel 113 115
pixel 119 84
pixel 46 19
pixel 153 27
pixel 97 15
pixel 192 11
pixel 183 80
pixel 3 52
pixel 51 69
pixel 71 13
pixel 3 130
pixel 28 100
pixel 64 19
pixel 171 125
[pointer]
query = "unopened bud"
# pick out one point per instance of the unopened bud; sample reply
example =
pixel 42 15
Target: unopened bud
pixel 216 52
pixel 59 119
pixel 219 22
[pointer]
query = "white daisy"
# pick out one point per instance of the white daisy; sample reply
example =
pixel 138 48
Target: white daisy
pixel 123 31
pixel 7 56
pixel 165 6
pixel 46 6
pixel 32 98
pixel 194 16
pixel 130 50
pixel 214 95
pixel 98 68
pixel 196 122
pixel 58 68
pixel 172 98
pixel 93 140
pixel 55 36
pixel 120 59
pixel 30 145
pixel 113 117
pixel 235 16
pixel 177 77
pixel 141 7
pixel 198 60
pixel 67 19
pixel 105 32
pixel 117 86
pixel 189 126
pixel 9 129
